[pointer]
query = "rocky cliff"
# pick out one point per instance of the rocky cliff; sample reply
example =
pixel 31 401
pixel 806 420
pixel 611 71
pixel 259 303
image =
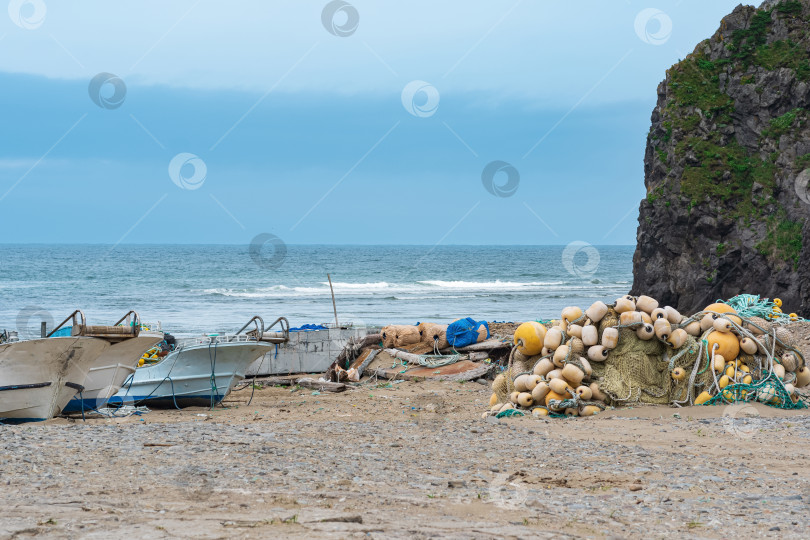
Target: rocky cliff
pixel 727 193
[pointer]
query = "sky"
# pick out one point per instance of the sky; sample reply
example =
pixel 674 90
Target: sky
pixel 194 121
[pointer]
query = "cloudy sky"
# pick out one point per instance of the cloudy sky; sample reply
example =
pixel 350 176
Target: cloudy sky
pixel 498 122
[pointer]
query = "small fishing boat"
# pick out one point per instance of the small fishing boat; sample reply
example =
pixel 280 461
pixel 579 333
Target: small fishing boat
pixel 200 371
pixel 109 371
pixel 39 376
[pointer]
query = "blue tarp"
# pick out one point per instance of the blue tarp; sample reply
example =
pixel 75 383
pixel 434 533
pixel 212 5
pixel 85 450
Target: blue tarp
pixel 308 328
pixel 65 331
pixel 465 332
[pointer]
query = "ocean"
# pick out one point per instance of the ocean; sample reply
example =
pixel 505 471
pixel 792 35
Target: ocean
pixel 192 289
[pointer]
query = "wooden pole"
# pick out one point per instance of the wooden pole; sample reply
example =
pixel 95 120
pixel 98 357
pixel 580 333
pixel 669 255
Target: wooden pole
pixel 334 306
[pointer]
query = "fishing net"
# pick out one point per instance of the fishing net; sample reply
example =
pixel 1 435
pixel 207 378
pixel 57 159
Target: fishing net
pixel 650 371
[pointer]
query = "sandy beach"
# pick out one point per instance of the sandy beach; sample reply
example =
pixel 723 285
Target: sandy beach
pixel 407 460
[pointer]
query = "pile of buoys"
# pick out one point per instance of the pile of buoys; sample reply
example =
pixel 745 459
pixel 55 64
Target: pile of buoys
pixel 551 369
pixel 151 356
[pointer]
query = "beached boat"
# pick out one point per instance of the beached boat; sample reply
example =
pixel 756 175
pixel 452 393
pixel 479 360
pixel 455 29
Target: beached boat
pixel 109 371
pixel 39 376
pixel 200 371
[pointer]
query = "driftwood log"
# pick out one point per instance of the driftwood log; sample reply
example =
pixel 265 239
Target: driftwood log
pixel 489 345
pixel 323 386
pixel 353 349
pixel 415 358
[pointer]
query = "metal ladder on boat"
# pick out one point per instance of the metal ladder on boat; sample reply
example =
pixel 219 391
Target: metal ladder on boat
pixel 114 333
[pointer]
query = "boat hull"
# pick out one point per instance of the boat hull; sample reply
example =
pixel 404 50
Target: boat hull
pixel 110 370
pixel 184 378
pixel 39 377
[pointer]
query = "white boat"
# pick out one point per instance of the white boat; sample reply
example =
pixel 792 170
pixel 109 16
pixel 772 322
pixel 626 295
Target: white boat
pixel 199 372
pixel 38 377
pixel 115 365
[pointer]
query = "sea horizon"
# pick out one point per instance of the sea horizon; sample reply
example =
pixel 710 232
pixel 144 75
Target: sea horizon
pixel 196 288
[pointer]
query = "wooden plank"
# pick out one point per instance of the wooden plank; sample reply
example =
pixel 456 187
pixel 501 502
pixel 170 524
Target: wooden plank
pixel 464 370
pixel 364 360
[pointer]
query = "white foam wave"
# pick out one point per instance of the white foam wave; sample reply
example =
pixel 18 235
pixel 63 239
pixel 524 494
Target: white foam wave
pixel 487 285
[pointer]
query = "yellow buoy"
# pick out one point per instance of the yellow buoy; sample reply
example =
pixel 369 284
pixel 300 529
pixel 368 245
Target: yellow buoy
pixel 597 394
pixel 679 374
pixel 646 304
pixel 748 346
pixel 727 344
pixel 706 322
pixel 794 316
pixel 693 328
pixel 779 371
pixel 553 339
pixel 597 353
pixel 673 315
pixel 525 400
pixel 789 361
pixel 559 386
pixel 722 325
pixel 589 410
pixel 493 400
pixel 658 313
pixel 677 339
pixel 610 337
pixel 590 335
pixel 724 381
pixel 539 411
pixel 662 328
pixel 555 396
pixel 140 362
pixel 630 317
pixel 571 314
pixel 624 304
pixel 724 309
pixel 645 332
pixel 532 380
pixel 573 374
pixel 597 311
pixel 560 355
pixel 543 367
pixel 803 377
pixel 540 391
pixel 529 338
pixel 768 393
pixel 719 363
pixel 513 397
pixel 703 398
pixel 777 302
pixel 584 392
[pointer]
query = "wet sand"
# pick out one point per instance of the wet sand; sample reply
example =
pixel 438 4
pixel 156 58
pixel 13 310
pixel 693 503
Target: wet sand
pixel 407 460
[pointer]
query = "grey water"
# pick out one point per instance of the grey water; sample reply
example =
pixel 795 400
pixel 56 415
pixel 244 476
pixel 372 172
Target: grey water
pixel 192 289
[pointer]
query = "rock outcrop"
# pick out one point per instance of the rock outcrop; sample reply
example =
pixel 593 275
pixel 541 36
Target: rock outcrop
pixel 727 166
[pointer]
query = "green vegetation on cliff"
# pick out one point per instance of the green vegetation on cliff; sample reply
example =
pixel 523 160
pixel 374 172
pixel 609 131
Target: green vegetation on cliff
pixel 784 240
pixel 717 166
